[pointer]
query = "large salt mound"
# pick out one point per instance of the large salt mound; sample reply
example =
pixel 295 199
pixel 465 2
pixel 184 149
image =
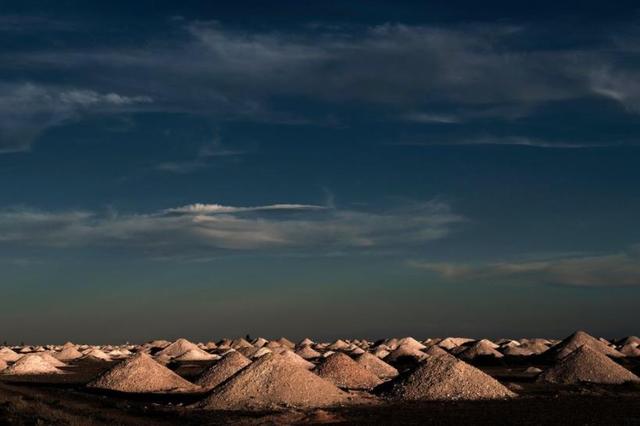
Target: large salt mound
pixel 229 365
pixel 141 374
pixel 446 378
pixel 9 355
pixel 50 359
pixel 344 372
pixel 274 382
pixel 179 347
pixel 375 365
pixel 580 338
pixel 587 365
pixel 31 364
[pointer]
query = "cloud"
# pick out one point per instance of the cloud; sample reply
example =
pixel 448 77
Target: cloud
pixel 27 109
pixel 613 270
pixel 515 141
pixel 199 229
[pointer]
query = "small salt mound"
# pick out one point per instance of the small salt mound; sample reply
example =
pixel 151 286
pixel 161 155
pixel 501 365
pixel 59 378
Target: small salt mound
pixel 241 343
pixel 97 354
pixel 229 365
pixel 196 355
pixel 260 342
pixel 283 341
pixel 261 352
pixel 451 342
pixel 405 351
pixel 517 351
pixel 305 342
pixel 631 340
pixel 344 372
pixel 630 350
pixel 3 364
pixel 586 364
pixel 179 347
pixel 307 352
pixel 411 342
pixel 68 353
pixel 6 354
pixel 338 345
pixel 141 374
pixel 210 346
pixel 446 378
pixel 31 364
pixel 536 347
pixel 481 348
pixel 580 338
pixel 375 365
pixel 381 352
pixel 158 344
pixel 273 382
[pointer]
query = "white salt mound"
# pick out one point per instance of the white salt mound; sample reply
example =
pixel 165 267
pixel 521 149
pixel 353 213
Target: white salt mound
pixel 446 378
pixel 587 365
pixel 578 339
pixel 274 382
pixel 7 354
pixel 141 374
pixel 179 347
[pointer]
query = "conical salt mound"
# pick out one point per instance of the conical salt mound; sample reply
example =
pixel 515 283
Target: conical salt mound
pixel 50 359
pixel 377 366
pixel 240 343
pixel 68 353
pixel 31 364
pixel 630 350
pixel 580 338
pixel 274 382
pixel 481 348
pixel 7 354
pixel 179 347
pixel 229 365
pixel 403 351
pixel 411 342
pixel 437 351
pixel 587 365
pixel 337 345
pixel 283 341
pixel 141 374
pixel 344 372
pixel 196 355
pixel 446 378
pixel 96 353
pixel 307 352
pixel 296 359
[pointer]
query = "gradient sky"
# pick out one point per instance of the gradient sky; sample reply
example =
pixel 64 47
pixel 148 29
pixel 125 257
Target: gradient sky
pixel 331 169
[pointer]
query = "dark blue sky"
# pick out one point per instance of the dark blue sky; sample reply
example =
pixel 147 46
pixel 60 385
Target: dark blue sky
pixel 335 169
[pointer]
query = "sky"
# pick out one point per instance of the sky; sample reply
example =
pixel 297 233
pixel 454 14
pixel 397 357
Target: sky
pixel 326 169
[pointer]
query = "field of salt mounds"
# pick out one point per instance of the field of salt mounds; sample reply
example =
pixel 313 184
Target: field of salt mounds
pixel 279 381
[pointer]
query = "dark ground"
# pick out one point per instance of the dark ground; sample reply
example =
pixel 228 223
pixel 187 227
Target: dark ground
pixel 65 401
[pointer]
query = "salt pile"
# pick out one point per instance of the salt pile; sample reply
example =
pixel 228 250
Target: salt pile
pixel 407 351
pixel 377 366
pixel 9 355
pixel 344 372
pixel 3 364
pixel 97 354
pixel 446 378
pixel 437 351
pixel 307 352
pixel 630 350
pixel 196 355
pixel 274 382
pixel 296 359
pixel 31 364
pixel 484 348
pixel 229 365
pixel 68 353
pixel 179 347
pixel 141 374
pixel 587 365
pixel 580 338
pixel 50 359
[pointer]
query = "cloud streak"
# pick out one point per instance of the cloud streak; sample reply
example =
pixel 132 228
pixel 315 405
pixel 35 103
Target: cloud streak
pixel 199 229
pixel 612 270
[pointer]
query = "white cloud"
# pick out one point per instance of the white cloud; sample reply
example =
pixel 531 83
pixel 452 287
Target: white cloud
pixel 200 228
pixel 613 270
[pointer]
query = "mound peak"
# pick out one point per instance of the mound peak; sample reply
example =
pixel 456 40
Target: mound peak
pixel 377 366
pixel 578 339
pixel 179 347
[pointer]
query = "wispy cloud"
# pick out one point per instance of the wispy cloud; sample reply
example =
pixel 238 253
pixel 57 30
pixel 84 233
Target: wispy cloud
pixel 611 270
pixel 198 229
pixel 27 109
